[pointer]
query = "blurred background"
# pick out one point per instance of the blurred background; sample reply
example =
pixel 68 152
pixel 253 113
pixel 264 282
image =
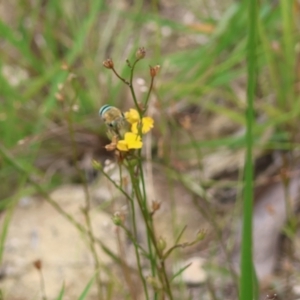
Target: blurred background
pixel 52 86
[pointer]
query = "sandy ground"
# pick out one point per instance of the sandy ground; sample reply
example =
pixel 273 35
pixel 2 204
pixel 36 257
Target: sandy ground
pixel 38 232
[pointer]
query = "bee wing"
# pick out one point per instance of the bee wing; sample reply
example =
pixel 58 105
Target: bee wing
pixel 119 126
pixel 122 126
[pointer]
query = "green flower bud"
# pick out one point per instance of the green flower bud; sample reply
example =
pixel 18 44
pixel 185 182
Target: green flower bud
pixel 96 165
pixel 117 219
pixel 161 244
pixel 154 283
pixel 201 234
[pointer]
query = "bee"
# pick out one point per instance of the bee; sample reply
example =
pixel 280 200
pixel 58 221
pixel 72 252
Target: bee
pixel 115 121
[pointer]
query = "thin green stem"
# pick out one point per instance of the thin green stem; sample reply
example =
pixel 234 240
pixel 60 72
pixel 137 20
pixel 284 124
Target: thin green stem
pixel 149 218
pixel 133 218
pixel 132 90
pixel 139 197
pixel 166 279
pixel 161 270
pixel 130 199
pixel 137 254
pixel 133 238
pixel 121 78
pixel 149 92
pixel 125 269
pixel 247 270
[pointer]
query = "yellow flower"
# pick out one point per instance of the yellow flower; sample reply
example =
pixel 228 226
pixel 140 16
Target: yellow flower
pixel 147 125
pixel 132 116
pixel 131 141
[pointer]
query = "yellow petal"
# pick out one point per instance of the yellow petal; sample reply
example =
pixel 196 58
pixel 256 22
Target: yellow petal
pixel 135 145
pixel 132 116
pixel 122 145
pixel 134 128
pixel 147 124
pixel 133 141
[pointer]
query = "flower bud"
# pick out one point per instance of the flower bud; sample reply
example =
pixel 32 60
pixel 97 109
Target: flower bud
pixel 155 205
pixel 154 283
pixel 141 53
pixel 117 219
pixel 186 122
pixel 64 66
pixel 108 63
pixel 71 76
pixel 59 97
pixel 154 70
pixel 201 234
pixel 96 165
pixel 161 244
pixel 111 147
pixel 38 264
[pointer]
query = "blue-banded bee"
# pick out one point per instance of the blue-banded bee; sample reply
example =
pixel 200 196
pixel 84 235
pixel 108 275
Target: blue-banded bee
pixel 115 121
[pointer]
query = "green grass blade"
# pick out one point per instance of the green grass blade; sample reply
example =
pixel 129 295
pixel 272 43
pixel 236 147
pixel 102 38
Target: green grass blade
pixel 288 44
pixel 3 234
pixel 246 280
pixel 180 271
pixel 77 48
pixel 61 293
pixel 86 289
pixel 21 44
